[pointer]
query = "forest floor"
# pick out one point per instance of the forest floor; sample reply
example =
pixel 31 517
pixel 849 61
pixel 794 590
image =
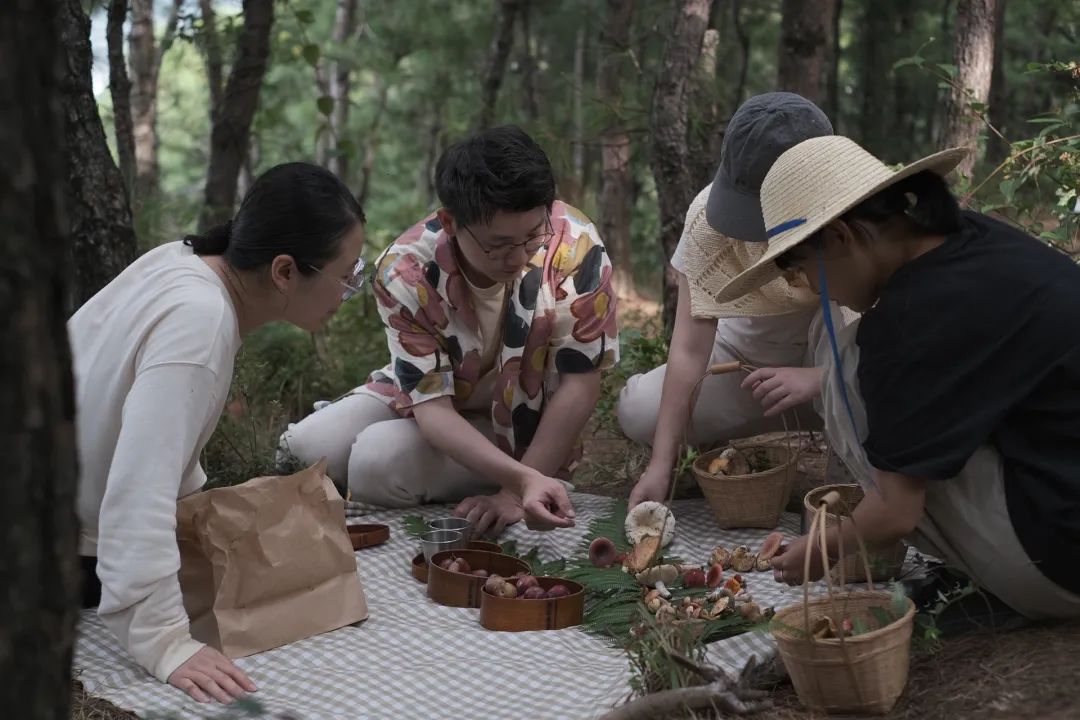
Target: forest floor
pixel 1028 673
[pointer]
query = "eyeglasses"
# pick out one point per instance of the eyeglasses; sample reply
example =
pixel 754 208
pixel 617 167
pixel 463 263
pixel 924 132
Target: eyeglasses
pixel 531 245
pixel 353 284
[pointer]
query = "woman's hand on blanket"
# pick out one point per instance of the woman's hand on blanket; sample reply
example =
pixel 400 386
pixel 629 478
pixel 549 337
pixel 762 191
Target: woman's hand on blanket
pixel 490 514
pixel 780 389
pixel 545 502
pixel 209 674
pixel 790 562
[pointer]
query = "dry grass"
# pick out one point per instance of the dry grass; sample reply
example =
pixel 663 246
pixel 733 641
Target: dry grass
pixel 85 707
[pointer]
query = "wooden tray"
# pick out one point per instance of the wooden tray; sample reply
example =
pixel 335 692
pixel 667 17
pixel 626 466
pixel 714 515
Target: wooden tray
pixel 363 536
pixel 518 614
pixel 419 567
pixel 458 590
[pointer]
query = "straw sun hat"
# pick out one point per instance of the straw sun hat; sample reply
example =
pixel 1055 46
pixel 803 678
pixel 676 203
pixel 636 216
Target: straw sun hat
pixel 813 183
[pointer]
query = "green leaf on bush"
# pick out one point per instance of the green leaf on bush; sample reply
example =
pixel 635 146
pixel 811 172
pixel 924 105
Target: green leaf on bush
pixel 312 54
pixel 326 104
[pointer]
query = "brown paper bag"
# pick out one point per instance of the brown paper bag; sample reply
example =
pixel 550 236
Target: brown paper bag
pixel 267 563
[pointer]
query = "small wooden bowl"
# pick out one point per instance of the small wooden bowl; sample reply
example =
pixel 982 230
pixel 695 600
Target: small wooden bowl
pixel 420 568
pixel 458 590
pixel 518 614
pixel 363 536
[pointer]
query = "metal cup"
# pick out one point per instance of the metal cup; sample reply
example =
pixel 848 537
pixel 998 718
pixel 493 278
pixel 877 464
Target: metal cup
pixel 462 525
pixel 435 541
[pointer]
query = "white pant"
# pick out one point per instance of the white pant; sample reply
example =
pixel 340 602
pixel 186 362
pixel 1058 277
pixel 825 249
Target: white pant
pixel 381 456
pixel 724 410
pixel 966 520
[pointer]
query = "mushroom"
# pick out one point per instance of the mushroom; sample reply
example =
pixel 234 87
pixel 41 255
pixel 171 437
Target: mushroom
pixel 720 556
pixel 649 527
pixel 742 560
pixel 763 564
pixel 719 607
pixel 665 613
pixel 658 577
pixel 729 462
pixel 750 611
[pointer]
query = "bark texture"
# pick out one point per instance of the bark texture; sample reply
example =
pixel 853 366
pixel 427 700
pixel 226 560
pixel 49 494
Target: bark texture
pixel 804 47
pixel 501 45
pixel 38 526
pixel 668 130
pixel 232 124
pixel 974 60
pixel 120 91
pixel 97 205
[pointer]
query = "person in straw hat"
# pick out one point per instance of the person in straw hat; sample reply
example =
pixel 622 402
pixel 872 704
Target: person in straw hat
pixel 955 398
pixel 723 235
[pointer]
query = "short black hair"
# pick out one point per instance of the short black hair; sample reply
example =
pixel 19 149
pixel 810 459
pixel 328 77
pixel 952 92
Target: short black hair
pixel 924 198
pixel 296 209
pixel 497 169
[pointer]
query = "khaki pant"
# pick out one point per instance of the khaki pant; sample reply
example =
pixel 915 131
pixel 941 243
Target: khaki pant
pixel 966 520
pixel 382 457
pixel 724 410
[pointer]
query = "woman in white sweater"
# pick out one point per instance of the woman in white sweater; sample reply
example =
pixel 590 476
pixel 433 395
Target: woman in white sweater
pixel 153 359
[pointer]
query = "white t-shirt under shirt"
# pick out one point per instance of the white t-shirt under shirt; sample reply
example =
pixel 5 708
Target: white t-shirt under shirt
pixel 489 305
pixel 153 358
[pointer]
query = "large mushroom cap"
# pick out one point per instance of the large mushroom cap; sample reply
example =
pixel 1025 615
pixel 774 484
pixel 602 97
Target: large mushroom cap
pixel 650 518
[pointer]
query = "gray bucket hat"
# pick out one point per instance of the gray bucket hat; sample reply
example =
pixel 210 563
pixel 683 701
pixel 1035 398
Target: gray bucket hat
pixel 760 131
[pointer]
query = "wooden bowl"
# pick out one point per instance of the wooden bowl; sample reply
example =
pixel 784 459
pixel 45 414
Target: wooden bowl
pixel 419 568
pixel 363 536
pixel 458 590
pixel 518 614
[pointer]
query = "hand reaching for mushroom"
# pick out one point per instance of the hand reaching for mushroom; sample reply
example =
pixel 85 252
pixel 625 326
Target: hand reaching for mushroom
pixel 545 502
pixel 789 563
pixel 490 514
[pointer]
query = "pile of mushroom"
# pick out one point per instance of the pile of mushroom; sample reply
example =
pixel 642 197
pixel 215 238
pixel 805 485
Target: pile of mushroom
pixel 742 560
pixel 649 527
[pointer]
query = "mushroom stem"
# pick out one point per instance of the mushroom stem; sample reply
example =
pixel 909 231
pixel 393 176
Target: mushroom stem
pixel 662 589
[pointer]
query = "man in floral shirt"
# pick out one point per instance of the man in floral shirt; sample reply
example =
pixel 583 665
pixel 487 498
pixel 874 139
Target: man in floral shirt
pixel 499 316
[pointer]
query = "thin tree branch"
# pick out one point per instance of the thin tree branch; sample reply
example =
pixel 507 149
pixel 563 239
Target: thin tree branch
pixel 120 90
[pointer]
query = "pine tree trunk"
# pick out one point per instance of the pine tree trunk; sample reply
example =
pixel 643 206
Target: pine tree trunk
pixel 832 80
pixel 974 60
pixel 97 206
pixel 705 135
pixel 120 91
pixel 142 52
pixel 530 103
pixel 496 66
pixel 668 129
pixel 744 53
pixel 372 145
pixel 996 148
pixel 212 50
pixel 804 47
pixel 330 151
pixel 232 126
pixel 579 113
pixel 876 58
pixel 616 175
pixel 38 526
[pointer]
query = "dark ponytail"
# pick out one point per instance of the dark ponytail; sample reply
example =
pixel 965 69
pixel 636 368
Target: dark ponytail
pixel 296 209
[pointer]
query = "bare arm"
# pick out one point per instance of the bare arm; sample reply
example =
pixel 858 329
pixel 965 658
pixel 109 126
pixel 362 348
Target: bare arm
pixel 565 415
pixel 889 512
pixel 688 357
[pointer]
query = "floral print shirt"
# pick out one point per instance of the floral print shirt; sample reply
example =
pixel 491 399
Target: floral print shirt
pixel 560 318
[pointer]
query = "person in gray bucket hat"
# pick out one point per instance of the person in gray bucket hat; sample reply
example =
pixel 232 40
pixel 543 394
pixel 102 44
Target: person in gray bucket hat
pixel 723 235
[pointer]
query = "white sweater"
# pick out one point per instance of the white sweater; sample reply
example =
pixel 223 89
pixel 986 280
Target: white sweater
pixel 153 358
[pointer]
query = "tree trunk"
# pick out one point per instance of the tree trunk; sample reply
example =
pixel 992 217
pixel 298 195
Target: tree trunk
pixel 877 54
pixel 804 47
pixel 145 60
pixel 616 176
pixel 744 53
pixel 212 49
pixel 974 60
pixel 330 152
pixel 97 205
pixel 910 106
pixel 425 181
pixel 996 148
pixel 232 127
pixel 705 135
pixel 530 104
pixel 120 90
pixel 496 66
pixel 372 145
pixel 832 81
pixel 38 526
pixel 579 110
pixel 668 130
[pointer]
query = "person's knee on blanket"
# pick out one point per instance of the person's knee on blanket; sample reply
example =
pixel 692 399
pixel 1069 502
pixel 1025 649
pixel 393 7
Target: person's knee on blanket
pixel 382 469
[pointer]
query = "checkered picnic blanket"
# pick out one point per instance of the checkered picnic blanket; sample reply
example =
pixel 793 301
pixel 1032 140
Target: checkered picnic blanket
pixel 415 659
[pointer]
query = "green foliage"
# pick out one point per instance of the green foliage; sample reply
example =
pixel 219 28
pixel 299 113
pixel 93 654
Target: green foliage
pixel 415 525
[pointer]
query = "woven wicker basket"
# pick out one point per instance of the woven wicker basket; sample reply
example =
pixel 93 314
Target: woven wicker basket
pixel 863 673
pixel 885 562
pixel 754 500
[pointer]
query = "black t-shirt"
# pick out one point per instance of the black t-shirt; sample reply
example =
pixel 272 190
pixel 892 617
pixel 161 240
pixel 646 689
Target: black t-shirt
pixel 978 342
